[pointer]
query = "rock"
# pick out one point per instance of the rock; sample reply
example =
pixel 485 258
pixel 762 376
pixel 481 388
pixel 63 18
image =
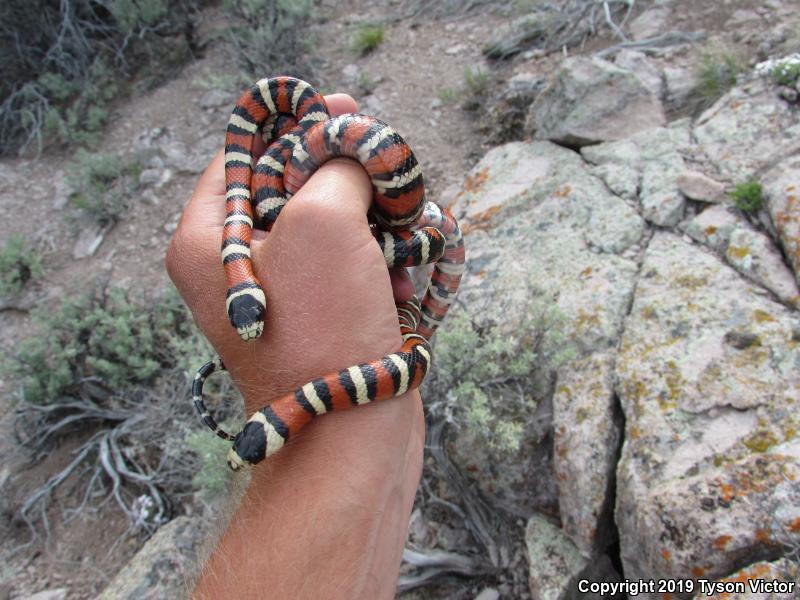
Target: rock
pixel 57 594
pixel 89 239
pixel 643 68
pixel 782 192
pixel 587 426
pixel 741 17
pixel 418 530
pixel 650 23
pixel 787 93
pixel 753 254
pixel 350 73
pixel 697 186
pixel 518 35
pixel 783 570
pixel 662 203
pixel 554 563
pixel 533 213
pixel 155 177
pixel 215 99
pixel 164 565
pixel 623 180
pixel 648 162
pixel 748 129
pixel 590 100
pixel 488 594
pixel 708 381
pixel 505 116
pixel 62 190
pixel 680 85
pixel 713 227
pixel 556 567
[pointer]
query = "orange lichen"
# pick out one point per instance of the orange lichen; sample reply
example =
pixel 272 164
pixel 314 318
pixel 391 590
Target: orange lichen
pixel 634 433
pixel 698 571
pixel 762 535
pixel 794 526
pixel 728 492
pixel 563 191
pixel 665 555
pixel 710 230
pixel 473 183
pixel 722 542
pixel 738 252
pixel 763 316
pixel 586 272
pixel 480 220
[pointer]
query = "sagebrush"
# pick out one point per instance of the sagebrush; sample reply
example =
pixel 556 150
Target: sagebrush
pixel 19 263
pixel 112 369
pixel 491 376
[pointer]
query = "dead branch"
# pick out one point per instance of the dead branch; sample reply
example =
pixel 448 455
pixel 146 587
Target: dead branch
pixel 656 45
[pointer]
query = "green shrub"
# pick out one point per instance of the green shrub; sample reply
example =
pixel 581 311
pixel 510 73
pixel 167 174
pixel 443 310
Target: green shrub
pixel 18 264
pixel 101 342
pixel 448 95
pixel 787 73
pixel 476 81
pixel 64 62
pixel 367 38
pixel 212 477
pixel 748 197
pixel 102 185
pixel 270 37
pixel 494 376
pixel 716 75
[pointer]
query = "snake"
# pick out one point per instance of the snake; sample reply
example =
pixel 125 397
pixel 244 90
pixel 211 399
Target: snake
pixel 294 121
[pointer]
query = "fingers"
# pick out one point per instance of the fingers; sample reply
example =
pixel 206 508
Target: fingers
pixel 402 286
pixel 340 104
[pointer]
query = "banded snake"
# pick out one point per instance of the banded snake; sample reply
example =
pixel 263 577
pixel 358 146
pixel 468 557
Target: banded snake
pixel 301 135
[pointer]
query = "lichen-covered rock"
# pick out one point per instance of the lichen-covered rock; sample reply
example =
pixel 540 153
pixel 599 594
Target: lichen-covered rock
pixel 680 86
pixel 781 574
pixel 753 254
pixel 713 227
pixel 163 568
pixel 650 23
pixel 587 426
pixel 650 163
pixel 748 129
pixel 555 565
pixel 590 100
pixel 536 219
pixel 709 383
pixel 643 68
pixel 782 190
pixel 662 203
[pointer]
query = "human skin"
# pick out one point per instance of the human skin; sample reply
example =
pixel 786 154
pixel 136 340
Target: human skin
pixel 327 516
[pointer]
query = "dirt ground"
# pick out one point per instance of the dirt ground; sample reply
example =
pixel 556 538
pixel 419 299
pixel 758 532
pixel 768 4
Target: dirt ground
pixel 402 83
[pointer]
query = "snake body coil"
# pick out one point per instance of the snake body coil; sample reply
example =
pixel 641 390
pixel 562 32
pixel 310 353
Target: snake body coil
pixel 293 118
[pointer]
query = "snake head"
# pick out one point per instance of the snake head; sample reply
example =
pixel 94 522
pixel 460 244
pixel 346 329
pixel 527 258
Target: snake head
pixel 249 447
pixel 246 310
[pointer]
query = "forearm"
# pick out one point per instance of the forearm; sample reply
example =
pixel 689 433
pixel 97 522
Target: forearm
pixel 327 516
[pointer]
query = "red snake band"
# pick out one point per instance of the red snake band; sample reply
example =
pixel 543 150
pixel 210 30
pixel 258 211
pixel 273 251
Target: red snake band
pixel 293 119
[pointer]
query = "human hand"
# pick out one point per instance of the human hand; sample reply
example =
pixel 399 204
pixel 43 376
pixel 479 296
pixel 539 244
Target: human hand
pixel 334 506
pixel 324 276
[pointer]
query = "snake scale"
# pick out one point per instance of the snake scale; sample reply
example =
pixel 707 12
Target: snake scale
pixel 293 119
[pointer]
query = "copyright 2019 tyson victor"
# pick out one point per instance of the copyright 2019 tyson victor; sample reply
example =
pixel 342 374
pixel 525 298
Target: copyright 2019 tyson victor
pixel 685 586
